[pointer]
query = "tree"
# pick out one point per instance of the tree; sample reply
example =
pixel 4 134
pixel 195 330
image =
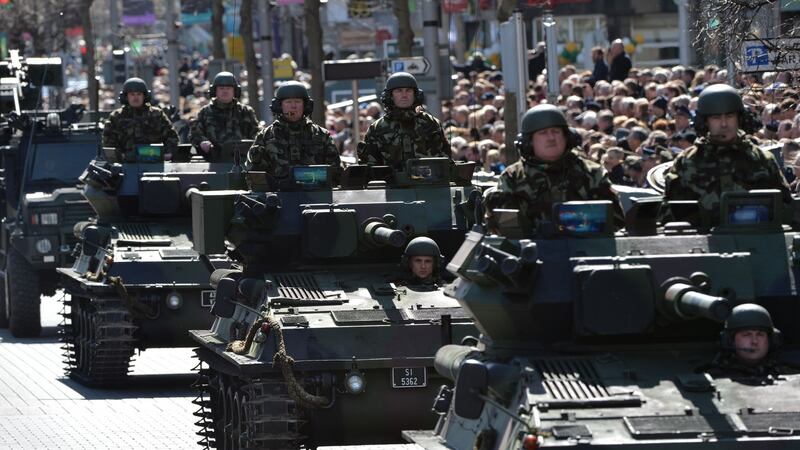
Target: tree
pixel 722 25
pixel 405 35
pixel 314 34
pixel 217 31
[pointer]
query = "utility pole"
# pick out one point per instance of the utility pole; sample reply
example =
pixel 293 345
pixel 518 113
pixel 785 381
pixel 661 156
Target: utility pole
pixel 551 42
pixel 172 55
pixel 265 33
pixel 430 22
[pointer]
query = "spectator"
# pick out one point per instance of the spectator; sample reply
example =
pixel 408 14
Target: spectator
pixel 600 71
pixel 620 62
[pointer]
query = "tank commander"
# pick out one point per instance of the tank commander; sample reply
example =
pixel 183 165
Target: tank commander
pixel 548 171
pixel 137 122
pixel 420 262
pixel 404 131
pixel 292 139
pixel 225 119
pixel 749 343
pixel 722 159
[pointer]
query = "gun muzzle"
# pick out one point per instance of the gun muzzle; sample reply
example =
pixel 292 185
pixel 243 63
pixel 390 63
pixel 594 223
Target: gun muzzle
pixel 380 234
pixel 688 302
pixel 449 358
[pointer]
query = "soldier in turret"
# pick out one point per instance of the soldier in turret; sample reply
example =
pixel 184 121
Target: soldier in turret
pixel 292 139
pixel 137 122
pixel 548 171
pixel 225 119
pixel 404 132
pixel 749 345
pixel 722 159
pixel 421 261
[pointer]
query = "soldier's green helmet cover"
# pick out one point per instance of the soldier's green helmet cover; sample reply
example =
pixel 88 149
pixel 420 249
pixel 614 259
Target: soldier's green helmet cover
pixel 291 89
pixel 134 85
pixel 401 80
pixel 719 99
pixel 749 316
pixel 225 79
pixel 422 246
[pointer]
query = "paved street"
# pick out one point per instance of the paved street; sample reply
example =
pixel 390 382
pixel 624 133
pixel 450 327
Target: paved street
pixel 42 409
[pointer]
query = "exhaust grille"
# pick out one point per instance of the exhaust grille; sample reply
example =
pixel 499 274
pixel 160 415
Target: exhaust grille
pixel 576 383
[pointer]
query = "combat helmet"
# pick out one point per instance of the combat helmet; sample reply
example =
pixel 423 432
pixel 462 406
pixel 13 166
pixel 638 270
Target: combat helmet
pixel 225 79
pixel 291 89
pixel 749 316
pixel 134 85
pixel 422 246
pixel 717 99
pixel 401 80
pixel 538 118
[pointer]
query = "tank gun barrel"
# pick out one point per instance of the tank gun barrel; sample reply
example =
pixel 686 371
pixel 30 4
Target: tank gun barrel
pixel 449 358
pixel 379 233
pixel 688 302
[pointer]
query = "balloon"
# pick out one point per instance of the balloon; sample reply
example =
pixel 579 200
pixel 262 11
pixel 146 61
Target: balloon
pixel 639 39
pixel 571 47
pixel 630 48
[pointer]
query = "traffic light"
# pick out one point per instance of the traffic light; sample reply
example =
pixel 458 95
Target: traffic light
pixel 119 66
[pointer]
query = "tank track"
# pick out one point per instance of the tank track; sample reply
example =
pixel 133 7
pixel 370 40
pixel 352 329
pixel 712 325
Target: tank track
pixel 239 414
pixel 98 342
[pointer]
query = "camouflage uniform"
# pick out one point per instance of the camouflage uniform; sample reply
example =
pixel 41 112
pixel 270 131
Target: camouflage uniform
pixel 127 127
pixel 282 145
pixel 223 122
pixel 704 171
pixel 401 135
pixel 533 186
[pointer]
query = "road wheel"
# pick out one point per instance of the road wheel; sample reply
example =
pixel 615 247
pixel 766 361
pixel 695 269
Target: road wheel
pixel 24 296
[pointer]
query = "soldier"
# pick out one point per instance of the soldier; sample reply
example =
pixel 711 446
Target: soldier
pixel 749 344
pixel 548 171
pixel 722 158
pixel 137 122
pixel 403 132
pixel 224 120
pixel 292 139
pixel 421 261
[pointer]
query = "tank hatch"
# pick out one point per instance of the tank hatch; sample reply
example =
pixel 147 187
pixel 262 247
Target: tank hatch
pixel 304 289
pixel 575 383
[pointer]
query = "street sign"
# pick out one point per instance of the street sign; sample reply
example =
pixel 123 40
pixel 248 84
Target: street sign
pixel 766 55
pixel 416 65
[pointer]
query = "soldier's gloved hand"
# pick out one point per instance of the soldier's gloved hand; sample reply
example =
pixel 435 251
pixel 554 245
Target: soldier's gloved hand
pixel 206 146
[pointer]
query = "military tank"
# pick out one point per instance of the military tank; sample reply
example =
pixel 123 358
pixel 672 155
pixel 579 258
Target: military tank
pixel 596 338
pixel 318 339
pixel 137 282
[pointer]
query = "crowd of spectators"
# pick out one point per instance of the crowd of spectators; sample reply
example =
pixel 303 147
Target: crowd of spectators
pixel 628 119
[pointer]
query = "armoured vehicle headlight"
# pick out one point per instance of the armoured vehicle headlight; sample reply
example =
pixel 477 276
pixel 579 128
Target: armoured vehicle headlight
pixel 174 300
pixel 43 246
pixel 355 383
pixel 50 218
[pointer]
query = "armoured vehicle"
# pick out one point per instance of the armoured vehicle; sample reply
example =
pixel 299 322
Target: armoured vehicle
pixel 319 337
pixel 136 281
pixel 596 338
pixel 41 203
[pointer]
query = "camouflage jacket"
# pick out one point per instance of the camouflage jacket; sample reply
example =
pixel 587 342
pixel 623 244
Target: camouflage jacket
pixel 401 135
pixel 533 186
pixel 706 170
pixel 126 127
pixel 726 364
pixel 281 145
pixel 220 122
